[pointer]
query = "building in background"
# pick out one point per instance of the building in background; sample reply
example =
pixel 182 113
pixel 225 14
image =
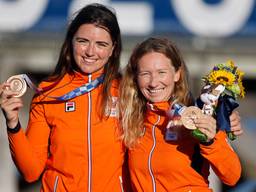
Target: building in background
pixel 206 31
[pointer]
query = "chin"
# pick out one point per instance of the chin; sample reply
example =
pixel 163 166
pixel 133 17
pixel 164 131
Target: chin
pixel 155 100
pixel 87 71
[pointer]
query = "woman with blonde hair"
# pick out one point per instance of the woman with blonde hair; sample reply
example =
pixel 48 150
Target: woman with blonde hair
pixel 156 79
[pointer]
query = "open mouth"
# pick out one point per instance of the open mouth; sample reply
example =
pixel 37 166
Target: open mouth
pixel 155 91
pixel 86 60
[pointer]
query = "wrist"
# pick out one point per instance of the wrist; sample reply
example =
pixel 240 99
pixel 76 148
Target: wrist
pixel 207 143
pixel 11 124
pixel 14 129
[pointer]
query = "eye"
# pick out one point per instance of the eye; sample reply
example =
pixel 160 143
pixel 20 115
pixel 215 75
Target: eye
pixel 81 41
pixel 143 74
pixel 162 72
pixel 102 44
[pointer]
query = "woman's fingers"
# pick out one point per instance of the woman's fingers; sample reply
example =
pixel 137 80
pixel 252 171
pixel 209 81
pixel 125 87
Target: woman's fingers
pixel 10 105
pixel 235 123
pixel 207 125
pixel 1 88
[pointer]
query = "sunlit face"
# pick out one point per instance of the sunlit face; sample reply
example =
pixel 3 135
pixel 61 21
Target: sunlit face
pixel 156 77
pixel 92 47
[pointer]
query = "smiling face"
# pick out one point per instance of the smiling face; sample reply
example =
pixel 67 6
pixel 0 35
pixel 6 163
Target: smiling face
pixel 156 77
pixel 92 48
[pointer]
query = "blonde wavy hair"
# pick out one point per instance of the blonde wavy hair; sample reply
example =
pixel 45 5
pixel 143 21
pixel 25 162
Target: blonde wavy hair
pixel 132 102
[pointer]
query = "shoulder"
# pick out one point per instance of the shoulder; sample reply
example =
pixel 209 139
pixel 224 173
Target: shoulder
pixel 53 86
pixel 51 82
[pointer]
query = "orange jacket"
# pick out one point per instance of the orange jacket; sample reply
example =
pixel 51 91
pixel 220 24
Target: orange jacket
pixel 181 165
pixel 68 142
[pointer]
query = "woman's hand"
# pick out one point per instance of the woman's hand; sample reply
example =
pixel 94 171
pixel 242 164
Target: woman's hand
pixel 235 124
pixel 207 125
pixel 1 88
pixel 10 105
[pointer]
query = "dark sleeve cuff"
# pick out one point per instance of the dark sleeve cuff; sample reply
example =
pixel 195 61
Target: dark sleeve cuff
pixel 207 143
pixel 15 129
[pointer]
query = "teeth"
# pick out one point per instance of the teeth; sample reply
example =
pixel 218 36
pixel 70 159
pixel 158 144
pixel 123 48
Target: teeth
pixel 89 60
pixel 155 90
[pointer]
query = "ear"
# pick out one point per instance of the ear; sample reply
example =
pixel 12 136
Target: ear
pixel 177 76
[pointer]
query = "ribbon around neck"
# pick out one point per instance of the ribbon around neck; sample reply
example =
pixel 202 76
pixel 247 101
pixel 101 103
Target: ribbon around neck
pixel 70 95
pixel 81 90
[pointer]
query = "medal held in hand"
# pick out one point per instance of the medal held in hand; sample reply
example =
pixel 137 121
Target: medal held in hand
pixel 18 85
pixel 189 115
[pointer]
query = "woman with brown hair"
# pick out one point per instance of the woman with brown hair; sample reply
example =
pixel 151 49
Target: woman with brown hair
pixel 73 126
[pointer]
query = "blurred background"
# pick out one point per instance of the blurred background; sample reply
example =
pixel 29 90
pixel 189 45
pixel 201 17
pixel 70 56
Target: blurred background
pixel 206 31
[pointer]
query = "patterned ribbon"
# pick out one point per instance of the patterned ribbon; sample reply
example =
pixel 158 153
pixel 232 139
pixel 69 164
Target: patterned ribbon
pixel 32 86
pixel 175 110
pixel 70 95
pixel 82 90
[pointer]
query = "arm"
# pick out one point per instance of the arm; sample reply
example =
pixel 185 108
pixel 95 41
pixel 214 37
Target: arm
pixel 218 152
pixel 29 152
pixel 223 159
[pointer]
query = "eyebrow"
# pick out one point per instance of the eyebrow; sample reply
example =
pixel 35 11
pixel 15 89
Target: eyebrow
pixel 165 69
pixel 104 42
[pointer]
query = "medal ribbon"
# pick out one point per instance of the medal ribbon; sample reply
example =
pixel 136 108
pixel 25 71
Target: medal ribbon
pixel 82 90
pixel 32 86
pixel 175 110
pixel 70 95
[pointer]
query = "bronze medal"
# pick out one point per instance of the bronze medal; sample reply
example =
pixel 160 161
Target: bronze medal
pixel 188 116
pixel 17 85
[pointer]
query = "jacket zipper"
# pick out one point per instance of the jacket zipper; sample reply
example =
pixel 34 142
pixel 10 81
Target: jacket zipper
pixel 89 139
pixel 121 183
pixel 56 184
pixel 151 154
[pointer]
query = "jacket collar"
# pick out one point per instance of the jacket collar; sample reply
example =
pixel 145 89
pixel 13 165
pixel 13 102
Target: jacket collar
pixel 159 108
pixel 82 78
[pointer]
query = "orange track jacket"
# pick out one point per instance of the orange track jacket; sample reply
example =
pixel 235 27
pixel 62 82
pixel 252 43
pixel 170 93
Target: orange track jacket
pixel 68 142
pixel 181 165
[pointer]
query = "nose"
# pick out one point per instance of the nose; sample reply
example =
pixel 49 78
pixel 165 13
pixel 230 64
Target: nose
pixel 153 81
pixel 90 49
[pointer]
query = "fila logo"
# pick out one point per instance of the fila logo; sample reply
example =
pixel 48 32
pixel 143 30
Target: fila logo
pixel 70 106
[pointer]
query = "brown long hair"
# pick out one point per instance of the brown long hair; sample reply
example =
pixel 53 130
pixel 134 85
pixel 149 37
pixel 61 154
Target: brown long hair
pixel 103 17
pixel 132 102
